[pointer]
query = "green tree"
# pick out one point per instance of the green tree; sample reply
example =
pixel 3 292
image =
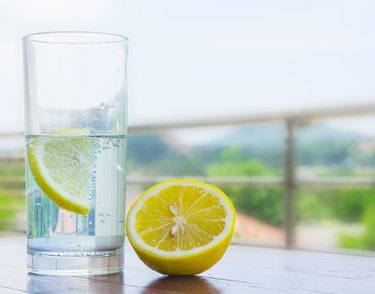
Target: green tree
pixel 265 204
pixel 366 240
pixel 346 204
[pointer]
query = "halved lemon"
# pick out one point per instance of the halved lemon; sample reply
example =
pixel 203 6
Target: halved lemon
pixel 181 227
pixel 62 164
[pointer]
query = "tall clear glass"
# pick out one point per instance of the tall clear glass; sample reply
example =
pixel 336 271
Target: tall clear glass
pixel 76 137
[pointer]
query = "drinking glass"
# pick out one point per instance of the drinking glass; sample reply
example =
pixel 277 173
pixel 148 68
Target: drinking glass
pixel 76 137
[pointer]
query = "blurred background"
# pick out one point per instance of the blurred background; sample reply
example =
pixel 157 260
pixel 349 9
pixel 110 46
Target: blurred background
pixel 272 101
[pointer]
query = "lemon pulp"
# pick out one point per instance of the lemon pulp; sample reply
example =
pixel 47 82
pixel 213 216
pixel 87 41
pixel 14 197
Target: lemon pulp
pixel 181 226
pixel 62 165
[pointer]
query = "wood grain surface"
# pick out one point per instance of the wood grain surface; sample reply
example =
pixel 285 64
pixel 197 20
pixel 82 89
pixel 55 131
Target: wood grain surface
pixel 243 269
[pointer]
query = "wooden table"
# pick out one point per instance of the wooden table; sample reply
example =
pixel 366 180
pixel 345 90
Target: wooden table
pixel 242 270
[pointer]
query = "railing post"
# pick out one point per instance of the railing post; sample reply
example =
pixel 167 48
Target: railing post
pixel 289 182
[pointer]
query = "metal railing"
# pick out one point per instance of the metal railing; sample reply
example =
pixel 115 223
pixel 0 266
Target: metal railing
pixel 289 181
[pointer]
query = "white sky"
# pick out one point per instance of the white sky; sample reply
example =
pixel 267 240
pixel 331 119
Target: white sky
pixel 198 58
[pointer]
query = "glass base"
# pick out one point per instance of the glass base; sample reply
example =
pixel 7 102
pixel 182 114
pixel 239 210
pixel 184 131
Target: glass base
pixel 44 264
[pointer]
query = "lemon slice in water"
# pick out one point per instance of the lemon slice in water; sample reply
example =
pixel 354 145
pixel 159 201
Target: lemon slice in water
pixel 62 164
pixel 181 227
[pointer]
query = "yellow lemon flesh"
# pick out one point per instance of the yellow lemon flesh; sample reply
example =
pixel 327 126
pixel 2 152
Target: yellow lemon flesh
pixel 181 227
pixel 62 165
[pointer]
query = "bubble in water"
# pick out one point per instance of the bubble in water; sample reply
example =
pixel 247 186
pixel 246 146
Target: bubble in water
pixel 101 105
pixel 108 214
pixel 71 215
pixel 102 221
pixel 90 223
pixel 101 214
pixel 79 245
pixel 39 205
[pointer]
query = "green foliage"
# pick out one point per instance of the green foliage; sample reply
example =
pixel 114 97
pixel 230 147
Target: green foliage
pixel 265 204
pixel 12 169
pixel 366 240
pixel 10 205
pixel 6 203
pixel 232 153
pixel 346 204
pixel 311 207
pixel 352 204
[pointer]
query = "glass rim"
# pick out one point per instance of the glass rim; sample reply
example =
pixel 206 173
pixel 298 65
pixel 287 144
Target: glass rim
pixel 75 38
